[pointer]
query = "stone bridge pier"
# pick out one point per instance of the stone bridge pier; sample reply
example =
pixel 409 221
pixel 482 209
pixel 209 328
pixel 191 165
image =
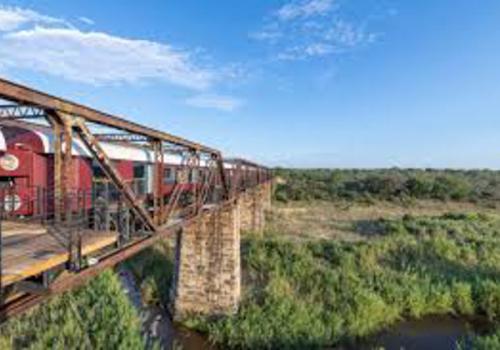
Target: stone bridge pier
pixel 207 276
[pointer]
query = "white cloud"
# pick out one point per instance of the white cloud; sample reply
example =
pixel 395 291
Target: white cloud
pixel 266 35
pixel 347 34
pixel 339 38
pixel 31 41
pixel 86 20
pixel 304 9
pixel 303 29
pixel 223 103
pixel 12 18
pixel 304 52
pixel 99 58
pixel 319 49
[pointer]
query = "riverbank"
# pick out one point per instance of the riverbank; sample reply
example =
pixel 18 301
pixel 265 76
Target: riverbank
pixel 388 269
pixel 148 277
pixel 323 292
pixel 158 331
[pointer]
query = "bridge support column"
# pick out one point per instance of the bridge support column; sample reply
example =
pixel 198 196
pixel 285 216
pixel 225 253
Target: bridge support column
pixel 253 203
pixel 207 274
pixel 267 194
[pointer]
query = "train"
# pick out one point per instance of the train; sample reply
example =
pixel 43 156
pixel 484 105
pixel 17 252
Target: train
pixel 27 168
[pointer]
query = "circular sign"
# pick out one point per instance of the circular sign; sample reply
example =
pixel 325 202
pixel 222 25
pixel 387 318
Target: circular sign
pixel 9 162
pixel 12 202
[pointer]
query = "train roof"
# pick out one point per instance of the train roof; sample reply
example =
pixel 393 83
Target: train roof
pixel 41 138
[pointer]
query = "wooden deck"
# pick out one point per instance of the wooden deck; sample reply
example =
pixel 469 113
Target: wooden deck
pixel 28 249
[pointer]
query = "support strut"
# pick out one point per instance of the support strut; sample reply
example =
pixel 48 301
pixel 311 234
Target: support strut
pixel 95 148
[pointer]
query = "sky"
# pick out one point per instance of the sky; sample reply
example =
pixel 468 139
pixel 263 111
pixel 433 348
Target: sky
pixel 300 83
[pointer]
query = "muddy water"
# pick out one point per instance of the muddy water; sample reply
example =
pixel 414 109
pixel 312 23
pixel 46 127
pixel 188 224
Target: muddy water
pixel 156 324
pixel 443 332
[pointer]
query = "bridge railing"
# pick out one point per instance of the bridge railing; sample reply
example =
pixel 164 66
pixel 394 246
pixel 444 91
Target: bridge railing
pixel 29 212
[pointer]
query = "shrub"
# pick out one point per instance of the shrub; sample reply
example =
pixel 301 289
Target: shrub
pixel 489 299
pixel 97 316
pixel 461 293
pixel 401 185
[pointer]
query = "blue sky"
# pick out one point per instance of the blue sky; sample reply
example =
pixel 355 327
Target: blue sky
pixel 307 83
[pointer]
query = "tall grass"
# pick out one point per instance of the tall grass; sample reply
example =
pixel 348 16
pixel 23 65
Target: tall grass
pixel 153 270
pixel 325 292
pixel 97 316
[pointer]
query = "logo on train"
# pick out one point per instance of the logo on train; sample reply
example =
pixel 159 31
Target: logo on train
pixel 12 202
pixel 9 162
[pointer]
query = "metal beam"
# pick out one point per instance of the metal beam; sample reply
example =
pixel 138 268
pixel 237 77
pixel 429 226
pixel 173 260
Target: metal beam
pixel 20 112
pixel 24 95
pixel 27 96
pixel 57 127
pixel 67 182
pixel 105 163
pixel 32 288
pixel 222 174
pixel 242 162
pixel 121 137
pixel 158 202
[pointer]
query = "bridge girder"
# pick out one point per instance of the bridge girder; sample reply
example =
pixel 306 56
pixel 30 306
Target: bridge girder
pixel 68 120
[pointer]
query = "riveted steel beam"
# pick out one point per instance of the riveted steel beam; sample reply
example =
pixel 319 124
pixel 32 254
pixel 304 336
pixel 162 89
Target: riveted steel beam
pixel 95 148
pixel 20 112
pixel 27 96
pixel 158 202
pixel 58 129
pixel 121 137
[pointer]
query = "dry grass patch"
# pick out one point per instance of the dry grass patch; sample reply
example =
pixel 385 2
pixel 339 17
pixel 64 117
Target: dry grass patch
pixel 349 221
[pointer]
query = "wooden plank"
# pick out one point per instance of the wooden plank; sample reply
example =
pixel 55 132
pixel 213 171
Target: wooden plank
pixel 10 228
pixel 30 257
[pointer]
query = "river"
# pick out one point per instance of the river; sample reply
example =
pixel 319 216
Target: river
pixel 156 324
pixel 429 333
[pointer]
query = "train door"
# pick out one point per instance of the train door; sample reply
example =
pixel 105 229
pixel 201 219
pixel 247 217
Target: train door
pixel 169 179
pixel 16 178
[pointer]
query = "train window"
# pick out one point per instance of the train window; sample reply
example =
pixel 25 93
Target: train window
pixel 139 171
pixel 5 182
pixel 97 170
pixel 139 184
pixel 169 175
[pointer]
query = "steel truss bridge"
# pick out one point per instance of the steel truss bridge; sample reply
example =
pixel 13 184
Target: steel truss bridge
pixel 118 222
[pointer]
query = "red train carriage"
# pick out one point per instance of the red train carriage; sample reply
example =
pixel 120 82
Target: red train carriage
pixel 27 169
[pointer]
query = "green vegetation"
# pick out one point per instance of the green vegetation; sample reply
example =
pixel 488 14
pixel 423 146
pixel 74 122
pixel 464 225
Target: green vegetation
pixel 153 270
pixel 325 292
pixel 97 316
pixel 328 272
pixel 487 342
pixel 388 184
